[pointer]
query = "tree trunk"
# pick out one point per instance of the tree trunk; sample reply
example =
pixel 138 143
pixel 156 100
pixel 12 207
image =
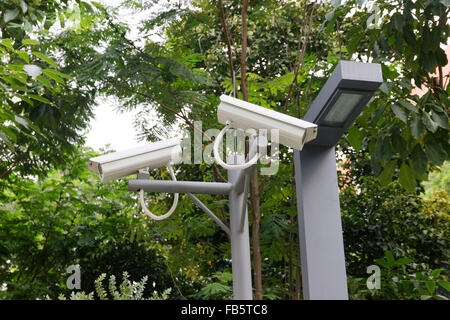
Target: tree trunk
pixel 244 51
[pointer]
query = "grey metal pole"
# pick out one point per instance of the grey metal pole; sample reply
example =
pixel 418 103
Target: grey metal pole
pixel 240 242
pixel 179 186
pixel 320 229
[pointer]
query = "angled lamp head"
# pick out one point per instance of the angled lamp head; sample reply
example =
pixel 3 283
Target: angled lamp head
pixel 342 98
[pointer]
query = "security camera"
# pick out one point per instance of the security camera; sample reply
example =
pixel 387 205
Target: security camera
pixel 124 163
pixel 293 132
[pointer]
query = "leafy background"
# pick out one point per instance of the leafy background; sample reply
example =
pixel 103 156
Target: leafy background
pixel 58 56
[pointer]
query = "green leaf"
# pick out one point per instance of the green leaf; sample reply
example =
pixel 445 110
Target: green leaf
pixel 53 76
pixel 382 263
pixel 429 123
pixel 444 284
pixel 14 83
pixel 23 55
pixel 6 139
pixel 398 21
pixel 403 261
pixel 397 140
pixel 419 160
pixel 44 81
pixel 24 98
pixel 7 43
pixel 441 57
pixel 435 273
pixel 385 88
pixel 29 42
pixel 378 113
pixel 416 127
pixel 10 15
pixel 355 137
pixel 389 257
pixel 383 150
pixel 440 118
pixel 399 113
pixel 39 98
pixel 444 100
pixel 409 36
pixel 11 135
pixel 407 178
pixel 54 72
pixel 409 106
pixel 329 15
pixel 436 153
pixel 43 57
pixel 335 3
pixel 23 6
pixel 21 121
pixel 387 173
pixel 356 35
pixel 429 62
pixel 431 286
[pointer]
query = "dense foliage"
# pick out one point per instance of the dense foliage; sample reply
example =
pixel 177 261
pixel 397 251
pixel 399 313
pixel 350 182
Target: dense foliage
pixel 65 219
pixel 41 111
pixel 376 219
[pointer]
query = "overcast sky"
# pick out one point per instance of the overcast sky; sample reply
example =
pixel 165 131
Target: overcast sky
pixel 109 126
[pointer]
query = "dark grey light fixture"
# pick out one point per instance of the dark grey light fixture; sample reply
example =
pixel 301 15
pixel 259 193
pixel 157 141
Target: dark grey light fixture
pixel 341 100
pixel 346 92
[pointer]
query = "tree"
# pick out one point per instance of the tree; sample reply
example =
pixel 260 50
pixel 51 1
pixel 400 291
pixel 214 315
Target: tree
pixel 71 218
pixel 377 218
pixel 41 113
pixel 403 132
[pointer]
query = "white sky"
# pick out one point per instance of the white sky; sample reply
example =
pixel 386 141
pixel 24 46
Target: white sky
pixel 109 126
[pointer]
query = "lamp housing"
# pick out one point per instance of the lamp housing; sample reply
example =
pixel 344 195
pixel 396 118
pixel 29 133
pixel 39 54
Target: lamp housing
pixel 342 98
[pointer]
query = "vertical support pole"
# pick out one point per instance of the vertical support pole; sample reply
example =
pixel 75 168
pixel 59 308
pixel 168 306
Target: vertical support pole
pixel 320 228
pixel 240 242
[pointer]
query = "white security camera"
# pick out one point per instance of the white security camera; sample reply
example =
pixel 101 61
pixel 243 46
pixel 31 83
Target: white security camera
pixel 293 132
pixel 124 163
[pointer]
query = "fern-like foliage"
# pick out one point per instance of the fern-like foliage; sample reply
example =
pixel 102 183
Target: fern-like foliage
pixel 220 289
pixel 128 290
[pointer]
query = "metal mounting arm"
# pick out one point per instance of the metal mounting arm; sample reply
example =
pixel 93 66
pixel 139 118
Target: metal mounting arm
pixel 180 186
pixel 209 212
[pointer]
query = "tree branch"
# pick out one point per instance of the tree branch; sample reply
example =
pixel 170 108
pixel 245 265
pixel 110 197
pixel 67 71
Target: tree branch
pixel 244 51
pixel 227 37
pixel 300 58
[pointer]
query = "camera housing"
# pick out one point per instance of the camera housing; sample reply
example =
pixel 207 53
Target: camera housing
pixel 293 132
pixel 124 163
